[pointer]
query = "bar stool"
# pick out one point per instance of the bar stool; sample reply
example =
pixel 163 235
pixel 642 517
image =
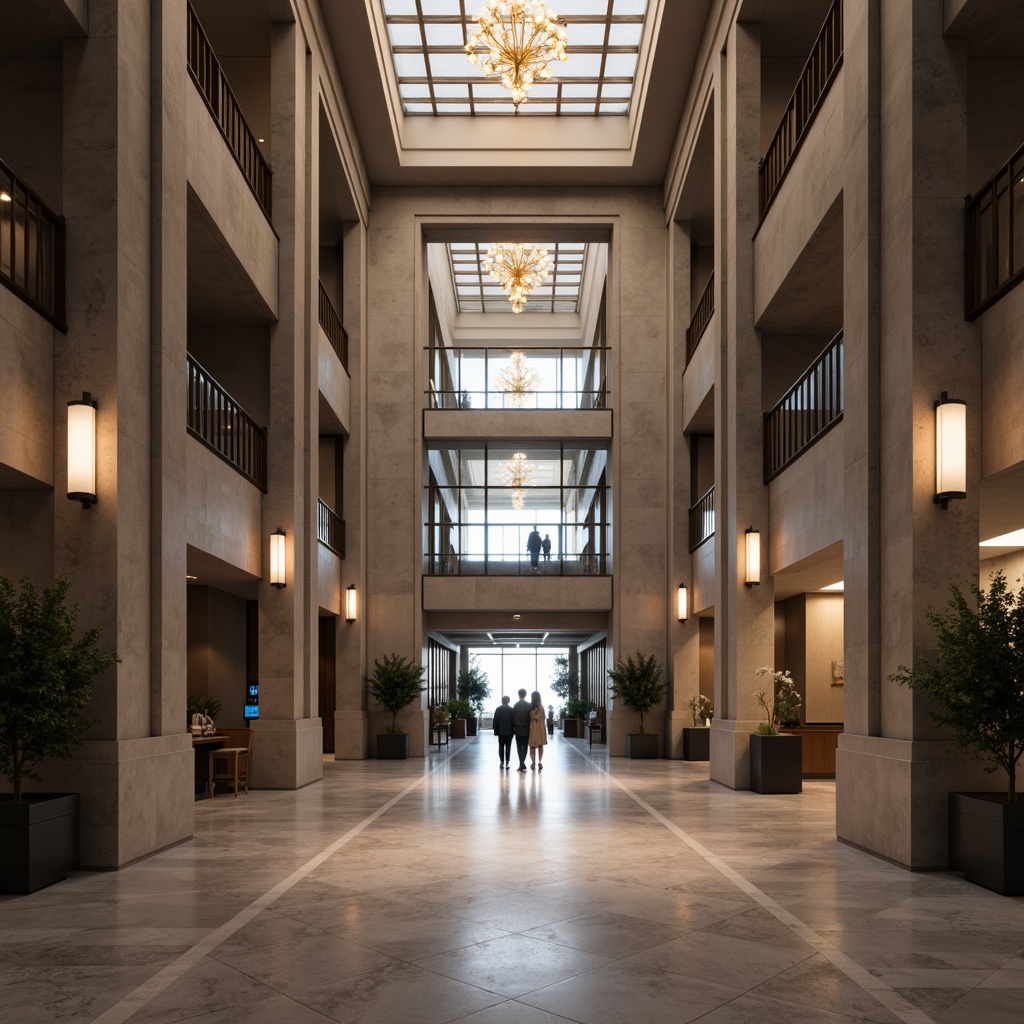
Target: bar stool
pixel 231 764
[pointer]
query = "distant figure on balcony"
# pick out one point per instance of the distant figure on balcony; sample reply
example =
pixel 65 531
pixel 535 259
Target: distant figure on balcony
pixel 533 546
pixel 546 546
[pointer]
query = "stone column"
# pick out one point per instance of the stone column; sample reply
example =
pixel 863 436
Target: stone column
pixel 287 752
pixel 893 769
pixel 744 616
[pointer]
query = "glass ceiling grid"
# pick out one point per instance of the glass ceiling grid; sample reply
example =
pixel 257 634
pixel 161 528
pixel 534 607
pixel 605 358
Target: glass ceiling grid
pixel 427 45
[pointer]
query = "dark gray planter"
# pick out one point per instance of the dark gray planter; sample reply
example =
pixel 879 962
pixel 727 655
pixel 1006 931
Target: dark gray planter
pixel 458 727
pixel 986 842
pixel 572 728
pixel 696 744
pixel 471 726
pixel 642 745
pixel 776 764
pixel 392 746
pixel 38 841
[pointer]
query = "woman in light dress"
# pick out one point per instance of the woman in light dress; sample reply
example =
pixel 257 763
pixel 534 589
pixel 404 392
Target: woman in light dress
pixel 538 732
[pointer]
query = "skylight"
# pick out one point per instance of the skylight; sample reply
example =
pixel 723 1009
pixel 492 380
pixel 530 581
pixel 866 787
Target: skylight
pixel 427 39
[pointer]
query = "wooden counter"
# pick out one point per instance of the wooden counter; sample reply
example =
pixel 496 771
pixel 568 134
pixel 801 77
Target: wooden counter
pixel 819 743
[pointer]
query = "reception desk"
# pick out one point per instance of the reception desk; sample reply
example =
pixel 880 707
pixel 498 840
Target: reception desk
pixel 819 743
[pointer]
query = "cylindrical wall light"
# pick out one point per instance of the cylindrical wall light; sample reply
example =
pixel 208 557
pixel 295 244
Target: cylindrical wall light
pixel 82 450
pixel 351 605
pixel 277 559
pixel 752 574
pixel 950 449
pixel 682 606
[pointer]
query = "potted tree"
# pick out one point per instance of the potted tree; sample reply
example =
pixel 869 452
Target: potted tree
pixel 395 684
pixel 472 686
pixel 577 710
pixel 638 685
pixel 46 678
pixel 776 762
pixel 461 711
pixel 565 685
pixel 978 689
pixel 697 738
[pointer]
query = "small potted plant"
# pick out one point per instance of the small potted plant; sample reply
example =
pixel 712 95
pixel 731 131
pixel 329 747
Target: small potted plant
pixel 638 685
pixel 697 738
pixel 577 711
pixel 46 679
pixel 201 704
pixel 472 686
pixel 461 711
pixel 977 686
pixel 776 762
pixel 395 684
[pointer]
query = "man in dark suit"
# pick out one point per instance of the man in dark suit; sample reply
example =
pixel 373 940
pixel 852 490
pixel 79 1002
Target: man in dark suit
pixel 503 729
pixel 521 728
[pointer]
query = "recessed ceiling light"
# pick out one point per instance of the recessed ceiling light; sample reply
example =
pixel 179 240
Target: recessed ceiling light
pixel 1014 539
pixel 188 576
pixel 517 616
pixel 834 586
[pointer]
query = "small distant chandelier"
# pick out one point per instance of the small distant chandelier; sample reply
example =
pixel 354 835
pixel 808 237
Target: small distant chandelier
pixel 517 473
pixel 517 380
pixel 520 37
pixel 518 267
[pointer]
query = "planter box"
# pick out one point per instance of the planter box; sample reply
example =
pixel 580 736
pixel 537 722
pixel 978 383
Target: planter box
pixel 572 728
pixel 986 842
pixel 392 746
pixel 642 745
pixel 775 764
pixel 470 726
pixel 38 842
pixel 696 744
pixel 458 728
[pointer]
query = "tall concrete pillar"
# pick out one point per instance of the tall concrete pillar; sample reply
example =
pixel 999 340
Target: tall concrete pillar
pixel 288 748
pixel 906 131
pixel 744 616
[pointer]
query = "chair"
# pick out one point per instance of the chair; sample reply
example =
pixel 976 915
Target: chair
pixel 231 763
pixel 595 724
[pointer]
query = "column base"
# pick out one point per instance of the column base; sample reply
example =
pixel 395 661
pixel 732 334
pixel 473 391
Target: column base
pixel 351 735
pixel 675 723
pixel 287 753
pixel 730 751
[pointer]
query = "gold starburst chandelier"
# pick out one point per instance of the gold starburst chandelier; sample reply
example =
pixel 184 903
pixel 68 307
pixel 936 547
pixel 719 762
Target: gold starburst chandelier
pixel 517 380
pixel 518 267
pixel 517 39
pixel 517 473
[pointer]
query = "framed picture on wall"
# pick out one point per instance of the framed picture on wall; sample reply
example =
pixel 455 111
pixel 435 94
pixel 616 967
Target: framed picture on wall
pixel 837 673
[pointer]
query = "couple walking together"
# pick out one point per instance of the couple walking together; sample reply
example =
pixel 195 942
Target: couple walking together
pixel 525 722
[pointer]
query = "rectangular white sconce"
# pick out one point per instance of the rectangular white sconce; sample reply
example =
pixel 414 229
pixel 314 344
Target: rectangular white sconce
pixel 682 605
pixel 752 574
pixel 950 449
pixel 277 559
pixel 350 603
pixel 82 450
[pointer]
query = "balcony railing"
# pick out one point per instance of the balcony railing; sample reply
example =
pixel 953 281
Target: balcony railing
pixel 821 68
pixel 701 317
pixel 994 237
pixel 31 248
pixel 806 412
pixel 330 528
pixel 483 552
pixel 702 519
pixel 217 420
pixel 331 323
pixel 566 378
pixel 208 75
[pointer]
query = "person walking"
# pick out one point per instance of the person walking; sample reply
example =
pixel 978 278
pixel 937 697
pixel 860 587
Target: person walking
pixel 538 733
pixel 521 728
pixel 546 547
pixel 503 730
pixel 533 546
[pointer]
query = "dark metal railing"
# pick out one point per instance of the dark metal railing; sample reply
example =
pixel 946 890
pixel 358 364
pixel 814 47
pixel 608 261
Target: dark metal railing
pixel 702 518
pixel 31 248
pixel 330 528
pixel 821 68
pixel 331 323
pixel 476 563
pixel 208 75
pixel 701 317
pixel 806 412
pixel 217 420
pixel 993 238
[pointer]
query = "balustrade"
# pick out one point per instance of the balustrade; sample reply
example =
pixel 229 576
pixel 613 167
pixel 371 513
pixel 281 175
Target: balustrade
pixel 330 528
pixel 331 323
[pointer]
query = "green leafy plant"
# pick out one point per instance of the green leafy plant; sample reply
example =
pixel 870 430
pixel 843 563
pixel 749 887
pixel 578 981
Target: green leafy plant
pixel 978 682
pixel 459 707
pixel 700 707
pixel 396 682
pixel 576 707
pixel 637 684
pixel 46 677
pixel 473 685
pixel 563 682
pixel 784 703
pixel 201 703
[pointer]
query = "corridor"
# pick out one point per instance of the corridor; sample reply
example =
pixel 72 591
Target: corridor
pixel 444 889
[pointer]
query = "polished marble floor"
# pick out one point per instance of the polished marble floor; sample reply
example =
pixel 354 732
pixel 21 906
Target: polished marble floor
pixel 599 891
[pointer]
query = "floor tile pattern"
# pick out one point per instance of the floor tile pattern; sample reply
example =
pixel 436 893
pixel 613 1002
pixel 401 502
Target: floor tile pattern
pixel 599 891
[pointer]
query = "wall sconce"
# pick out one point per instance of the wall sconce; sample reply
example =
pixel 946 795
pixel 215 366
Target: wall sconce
pixel 351 603
pixel 752 576
pixel 82 450
pixel 682 607
pixel 277 559
pixel 950 449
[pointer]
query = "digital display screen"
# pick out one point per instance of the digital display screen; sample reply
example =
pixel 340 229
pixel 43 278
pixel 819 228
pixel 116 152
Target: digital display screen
pixel 252 710
pixel 254 691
